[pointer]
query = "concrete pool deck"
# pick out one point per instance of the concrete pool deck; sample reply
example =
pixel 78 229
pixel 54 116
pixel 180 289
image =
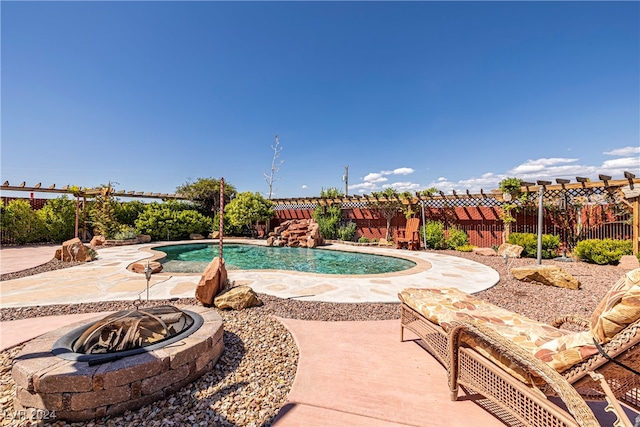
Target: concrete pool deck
pixel 108 279
pixel 348 374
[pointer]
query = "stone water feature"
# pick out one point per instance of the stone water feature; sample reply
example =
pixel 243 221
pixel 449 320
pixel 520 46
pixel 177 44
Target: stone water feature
pixel 296 233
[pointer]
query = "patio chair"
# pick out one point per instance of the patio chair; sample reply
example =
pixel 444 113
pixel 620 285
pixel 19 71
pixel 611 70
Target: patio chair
pixel 527 372
pixel 410 236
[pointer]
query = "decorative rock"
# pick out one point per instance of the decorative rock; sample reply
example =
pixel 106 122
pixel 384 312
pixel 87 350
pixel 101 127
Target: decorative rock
pixel 214 235
pixel 97 241
pixel 484 251
pixel 196 236
pixel 629 262
pixel 139 267
pixel 296 232
pixel 509 250
pixel 144 238
pixel 74 250
pixel 311 242
pixel 383 242
pixel 549 275
pixel 238 298
pixel 212 282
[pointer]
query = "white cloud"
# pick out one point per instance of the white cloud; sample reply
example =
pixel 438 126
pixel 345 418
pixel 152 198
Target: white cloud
pixel 373 180
pixel 304 186
pixel 403 171
pixel 404 186
pixel 366 186
pixel 623 162
pixel 374 177
pixel 626 151
pixel 539 164
pixel 486 182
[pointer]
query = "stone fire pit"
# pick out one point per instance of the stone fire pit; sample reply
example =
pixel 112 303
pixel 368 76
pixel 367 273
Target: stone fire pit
pixel 76 391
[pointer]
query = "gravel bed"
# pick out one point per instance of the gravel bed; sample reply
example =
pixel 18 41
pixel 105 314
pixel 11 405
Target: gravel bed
pixel 251 380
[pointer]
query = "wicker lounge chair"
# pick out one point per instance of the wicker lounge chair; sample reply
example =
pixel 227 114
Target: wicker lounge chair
pixel 410 236
pixel 530 373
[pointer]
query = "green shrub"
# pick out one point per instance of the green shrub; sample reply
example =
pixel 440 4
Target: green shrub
pixel 347 232
pixel 606 251
pixel 247 209
pixel 374 240
pixel 102 216
pixel 58 217
pixel 464 248
pixel 363 239
pixel 92 253
pixel 328 221
pixel 434 231
pixel 457 238
pixel 529 241
pixel 171 221
pixel 127 212
pixel 125 232
pixel 20 224
pixel 229 228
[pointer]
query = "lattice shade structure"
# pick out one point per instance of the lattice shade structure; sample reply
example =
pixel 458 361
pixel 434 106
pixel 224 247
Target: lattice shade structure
pixel 624 194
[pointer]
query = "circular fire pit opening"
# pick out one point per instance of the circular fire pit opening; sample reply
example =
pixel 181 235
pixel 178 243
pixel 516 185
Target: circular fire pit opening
pixel 126 333
pixel 79 387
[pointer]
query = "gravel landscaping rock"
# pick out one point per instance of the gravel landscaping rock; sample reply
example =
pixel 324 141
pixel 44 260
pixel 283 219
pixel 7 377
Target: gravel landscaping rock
pixel 252 378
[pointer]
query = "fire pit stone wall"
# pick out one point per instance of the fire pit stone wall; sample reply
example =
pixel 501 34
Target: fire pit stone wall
pixel 75 391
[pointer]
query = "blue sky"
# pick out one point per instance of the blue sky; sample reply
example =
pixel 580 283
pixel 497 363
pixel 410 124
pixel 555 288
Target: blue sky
pixel 456 95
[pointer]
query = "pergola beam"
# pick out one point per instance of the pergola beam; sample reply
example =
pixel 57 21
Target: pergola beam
pixel 6 186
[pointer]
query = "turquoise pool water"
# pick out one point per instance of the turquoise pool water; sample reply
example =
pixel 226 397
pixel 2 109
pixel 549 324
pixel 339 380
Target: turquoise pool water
pixel 194 258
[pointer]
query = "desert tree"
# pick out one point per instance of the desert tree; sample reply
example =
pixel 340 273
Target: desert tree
pixel 275 166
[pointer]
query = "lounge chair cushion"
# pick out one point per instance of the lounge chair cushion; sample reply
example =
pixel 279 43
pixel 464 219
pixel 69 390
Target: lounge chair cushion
pixel 560 349
pixel 618 309
pixel 564 352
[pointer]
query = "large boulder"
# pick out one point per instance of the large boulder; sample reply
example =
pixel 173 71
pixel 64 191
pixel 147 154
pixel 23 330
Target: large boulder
pixel 74 250
pixel 212 282
pixel 144 238
pixel 238 298
pixel 97 241
pixel 550 275
pixel 510 251
pixel 196 236
pixel 139 267
pixel 484 251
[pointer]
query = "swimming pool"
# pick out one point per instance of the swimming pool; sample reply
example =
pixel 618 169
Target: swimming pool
pixel 194 258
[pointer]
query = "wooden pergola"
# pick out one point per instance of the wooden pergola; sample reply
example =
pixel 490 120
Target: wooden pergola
pixel 38 188
pixel 83 193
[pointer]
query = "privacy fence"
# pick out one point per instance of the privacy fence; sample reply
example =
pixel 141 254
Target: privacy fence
pixel 483 224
